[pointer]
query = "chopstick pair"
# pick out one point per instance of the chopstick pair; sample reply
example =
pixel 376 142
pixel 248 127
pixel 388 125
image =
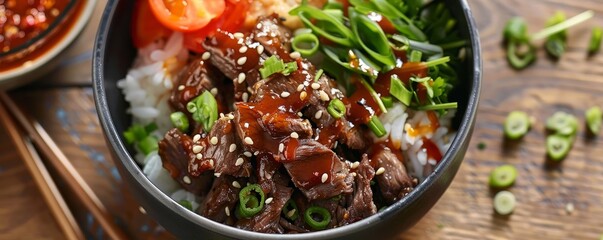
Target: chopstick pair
pixel 24 130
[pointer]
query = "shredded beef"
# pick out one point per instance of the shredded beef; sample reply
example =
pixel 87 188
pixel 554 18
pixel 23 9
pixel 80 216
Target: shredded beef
pixel 394 183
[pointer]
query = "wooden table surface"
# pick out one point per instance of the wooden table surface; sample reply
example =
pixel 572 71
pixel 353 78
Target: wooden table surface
pixel 62 101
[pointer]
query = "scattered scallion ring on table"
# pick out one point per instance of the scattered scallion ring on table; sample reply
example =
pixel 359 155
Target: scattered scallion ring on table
pixel 204 110
pixel 562 123
pixel 249 203
pixel 317 218
pixel 555 44
pixel 595 40
pixel 593 117
pixel 558 146
pixel 504 202
pixel 503 176
pixel 516 125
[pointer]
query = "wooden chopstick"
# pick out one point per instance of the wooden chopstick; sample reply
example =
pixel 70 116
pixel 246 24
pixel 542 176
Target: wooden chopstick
pixel 40 174
pixel 64 168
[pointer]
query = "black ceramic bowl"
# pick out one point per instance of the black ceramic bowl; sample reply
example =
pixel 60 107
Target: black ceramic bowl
pixel 113 56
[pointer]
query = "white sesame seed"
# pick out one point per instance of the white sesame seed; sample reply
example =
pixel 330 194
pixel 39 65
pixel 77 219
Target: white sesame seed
pixel 181 87
pixel 243 49
pixel 323 96
pixel 221 115
pixel 214 91
pixel 300 114
pixel 294 135
pixel 256 153
pixel 259 25
pixel 290 213
pixel 232 147
pixel 318 114
pixel 211 162
pixel 380 171
pixel 238 35
pixel 195 167
pixel 141 209
pixel 206 55
pixel 214 140
pixel 295 55
pixel 268 200
pixel 247 154
pixel 196 138
pixel 197 149
pixel 239 162
pixel 315 86
pixel 335 145
pixel 217 174
pixel 245 97
pixel 230 116
pixel 236 184
pixel 242 77
pixel 260 49
pixel 281 147
pixel 186 180
pixel 249 141
pixel 300 87
pixel 242 60
pixel 355 165
pixel 324 177
pixel 246 125
pixel 354 174
pixel 227 211
pixel 199 156
pixel 285 94
pixel 303 95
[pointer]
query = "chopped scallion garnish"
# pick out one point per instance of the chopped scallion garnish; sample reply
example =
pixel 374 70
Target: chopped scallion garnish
pixel 336 108
pixel 376 126
pixel 374 94
pixel 307 44
pixel 399 91
pixel 206 110
pixel 274 65
pixel 441 106
pixel 180 121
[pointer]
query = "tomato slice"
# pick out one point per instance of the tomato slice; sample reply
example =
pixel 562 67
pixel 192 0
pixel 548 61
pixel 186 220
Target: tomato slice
pixel 232 20
pixel 186 15
pixel 145 27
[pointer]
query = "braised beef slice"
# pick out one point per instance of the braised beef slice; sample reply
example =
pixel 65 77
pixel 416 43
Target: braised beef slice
pixel 266 167
pixel 224 160
pixel 291 228
pixel 395 182
pixel 362 205
pixel 268 220
pixel 311 160
pixel 222 195
pixel 270 32
pixel 175 150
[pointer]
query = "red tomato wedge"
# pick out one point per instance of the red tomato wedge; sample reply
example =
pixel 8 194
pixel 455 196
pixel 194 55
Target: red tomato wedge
pixel 232 20
pixel 145 27
pixel 186 15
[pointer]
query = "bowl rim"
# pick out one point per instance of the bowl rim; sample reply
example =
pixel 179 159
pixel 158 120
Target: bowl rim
pixel 120 150
pixel 7 77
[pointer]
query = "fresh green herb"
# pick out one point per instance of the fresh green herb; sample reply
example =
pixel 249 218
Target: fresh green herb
pixel 555 44
pixel 504 202
pixel 249 203
pixel 594 117
pixel 516 125
pixel 324 25
pixel 186 204
pixel 180 121
pixel 274 65
pixel 336 108
pixel 595 40
pixel 376 126
pixel 558 146
pixel 317 218
pixel 372 39
pixel 399 91
pixel 306 44
pixel 503 176
pixel 140 136
pixel 204 110
pixel 290 210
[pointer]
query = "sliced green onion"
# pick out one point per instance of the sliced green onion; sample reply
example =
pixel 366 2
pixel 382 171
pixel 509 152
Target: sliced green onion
pixel 336 13
pixel 186 204
pixel 374 94
pixel 453 45
pixel 415 56
pixel 307 44
pixel 516 30
pixel 388 101
pixel 520 61
pixel 441 106
pixel 290 67
pixel 438 61
pixel 318 75
pixel 503 176
pixel 249 204
pixel 324 24
pixel 271 66
pixel 206 110
pixel 336 108
pixel 290 210
pixel 344 58
pixel 180 121
pixel 516 125
pixel 544 33
pixel 595 40
pixel 148 144
pixel 423 47
pixel 376 126
pixel 555 43
pixel 138 132
pixel 401 22
pixel 317 218
pixel 594 117
pixel 399 91
pixel 558 146
pixel 333 4
pixel 562 123
pixel 371 38
pixel 504 202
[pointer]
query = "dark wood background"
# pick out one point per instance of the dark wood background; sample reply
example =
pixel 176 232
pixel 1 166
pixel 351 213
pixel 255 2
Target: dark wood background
pixel 63 103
